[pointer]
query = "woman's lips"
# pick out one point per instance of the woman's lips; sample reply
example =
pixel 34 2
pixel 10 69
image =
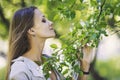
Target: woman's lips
pixel 51 28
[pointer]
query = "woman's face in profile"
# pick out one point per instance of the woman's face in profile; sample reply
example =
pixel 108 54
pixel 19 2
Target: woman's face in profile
pixel 43 28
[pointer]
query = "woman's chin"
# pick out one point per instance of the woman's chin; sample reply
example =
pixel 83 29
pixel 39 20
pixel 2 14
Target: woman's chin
pixel 51 36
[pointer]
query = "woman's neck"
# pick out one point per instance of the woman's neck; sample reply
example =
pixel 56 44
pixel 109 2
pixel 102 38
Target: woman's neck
pixel 35 53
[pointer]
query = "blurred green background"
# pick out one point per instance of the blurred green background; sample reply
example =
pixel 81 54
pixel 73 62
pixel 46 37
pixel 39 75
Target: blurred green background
pixel 63 13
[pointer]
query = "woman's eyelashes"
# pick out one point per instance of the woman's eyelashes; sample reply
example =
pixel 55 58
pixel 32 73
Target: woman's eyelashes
pixel 43 20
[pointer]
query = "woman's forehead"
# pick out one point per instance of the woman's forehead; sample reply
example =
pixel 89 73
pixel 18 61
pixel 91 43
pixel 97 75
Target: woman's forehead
pixel 39 13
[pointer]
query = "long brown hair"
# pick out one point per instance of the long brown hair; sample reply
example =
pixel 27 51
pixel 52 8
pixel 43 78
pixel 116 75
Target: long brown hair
pixel 22 21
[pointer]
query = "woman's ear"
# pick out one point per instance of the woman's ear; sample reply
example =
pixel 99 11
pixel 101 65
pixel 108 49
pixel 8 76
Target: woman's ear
pixel 31 32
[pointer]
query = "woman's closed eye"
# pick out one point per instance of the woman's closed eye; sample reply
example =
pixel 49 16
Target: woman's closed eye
pixel 43 20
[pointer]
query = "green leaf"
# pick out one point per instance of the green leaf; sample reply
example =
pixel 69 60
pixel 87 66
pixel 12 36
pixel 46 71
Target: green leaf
pixel 81 73
pixel 53 46
pixel 77 68
pixel 65 72
pixel 93 36
pixel 81 55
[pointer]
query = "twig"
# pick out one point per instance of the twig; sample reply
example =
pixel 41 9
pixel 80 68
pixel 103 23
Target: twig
pixel 115 32
pixel 101 10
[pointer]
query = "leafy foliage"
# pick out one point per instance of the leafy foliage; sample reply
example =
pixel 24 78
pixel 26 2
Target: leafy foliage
pixel 87 29
pixel 83 32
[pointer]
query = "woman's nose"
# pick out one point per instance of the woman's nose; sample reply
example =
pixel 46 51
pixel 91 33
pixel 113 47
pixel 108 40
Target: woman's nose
pixel 51 23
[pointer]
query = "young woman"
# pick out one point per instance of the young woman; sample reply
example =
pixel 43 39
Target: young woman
pixel 28 31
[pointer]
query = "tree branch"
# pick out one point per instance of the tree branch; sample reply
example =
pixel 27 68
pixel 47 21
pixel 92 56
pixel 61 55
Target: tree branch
pixel 23 4
pixel 3 19
pixel 73 4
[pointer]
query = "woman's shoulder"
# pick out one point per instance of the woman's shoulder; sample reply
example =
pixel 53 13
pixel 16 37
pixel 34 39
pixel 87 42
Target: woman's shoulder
pixel 18 65
pixel 26 67
pixel 18 69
